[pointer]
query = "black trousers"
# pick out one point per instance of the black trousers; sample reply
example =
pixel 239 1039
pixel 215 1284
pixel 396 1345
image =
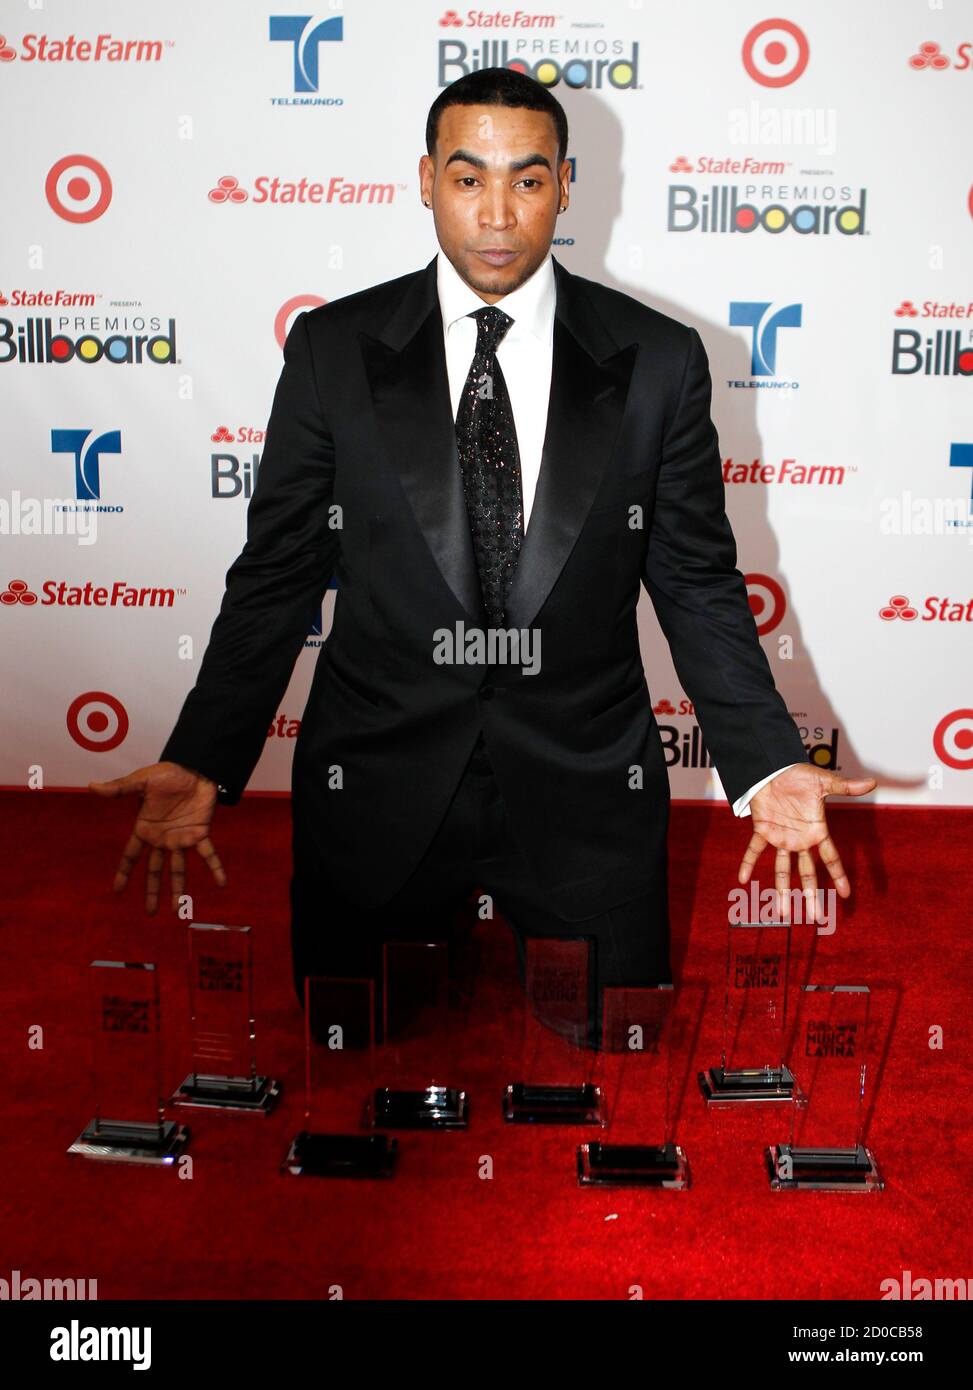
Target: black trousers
pixel 473 848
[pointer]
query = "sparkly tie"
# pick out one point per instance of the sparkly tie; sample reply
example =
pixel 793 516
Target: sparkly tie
pixel 490 463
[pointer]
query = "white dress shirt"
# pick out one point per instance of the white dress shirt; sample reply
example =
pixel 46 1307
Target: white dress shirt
pixel 525 355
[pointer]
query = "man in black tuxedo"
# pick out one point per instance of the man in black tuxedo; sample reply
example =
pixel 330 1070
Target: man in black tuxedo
pixel 491 454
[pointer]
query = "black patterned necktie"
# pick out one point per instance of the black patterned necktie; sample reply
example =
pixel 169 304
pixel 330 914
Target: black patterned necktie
pixel 490 463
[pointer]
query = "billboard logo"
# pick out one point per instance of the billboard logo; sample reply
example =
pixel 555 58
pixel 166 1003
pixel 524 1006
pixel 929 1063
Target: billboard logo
pixel 944 354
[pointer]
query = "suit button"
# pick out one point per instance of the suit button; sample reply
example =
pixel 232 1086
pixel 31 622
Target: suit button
pixel 486 692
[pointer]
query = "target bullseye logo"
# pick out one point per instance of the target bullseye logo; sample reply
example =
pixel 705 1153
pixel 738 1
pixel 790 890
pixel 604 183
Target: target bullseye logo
pixel 767 602
pixel 953 739
pixel 775 53
pixel 78 188
pixel 283 321
pixel 97 721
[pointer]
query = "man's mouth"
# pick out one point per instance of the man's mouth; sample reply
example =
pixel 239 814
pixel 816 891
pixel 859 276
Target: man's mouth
pixel 497 256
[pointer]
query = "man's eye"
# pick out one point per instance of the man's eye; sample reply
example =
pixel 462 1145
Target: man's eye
pixel 535 182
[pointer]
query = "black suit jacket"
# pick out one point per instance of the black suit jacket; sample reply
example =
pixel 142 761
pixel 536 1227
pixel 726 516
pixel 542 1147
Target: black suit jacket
pixel 362 421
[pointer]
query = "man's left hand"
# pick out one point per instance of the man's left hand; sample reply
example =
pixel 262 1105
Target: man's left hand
pixel 788 812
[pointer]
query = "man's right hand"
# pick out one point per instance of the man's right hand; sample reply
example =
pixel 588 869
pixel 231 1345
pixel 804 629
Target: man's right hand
pixel 177 807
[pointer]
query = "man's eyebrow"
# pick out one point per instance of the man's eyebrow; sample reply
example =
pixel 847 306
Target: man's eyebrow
pixel 514 167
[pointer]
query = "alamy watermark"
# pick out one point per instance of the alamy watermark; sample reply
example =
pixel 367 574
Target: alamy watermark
pixel 495 646
pixel 753 904
pixel 48 516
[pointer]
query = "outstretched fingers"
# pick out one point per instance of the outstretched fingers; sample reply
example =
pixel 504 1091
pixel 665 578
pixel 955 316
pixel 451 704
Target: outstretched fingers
pixel 207 851
pixel 153 878
pixel 751 854
pixel 177 876
pixel 782 882
pixel 130 854
pixel 831 859
pixel 809 881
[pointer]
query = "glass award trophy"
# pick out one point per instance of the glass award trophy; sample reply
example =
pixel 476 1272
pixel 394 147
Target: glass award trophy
pixel 557 1084
pixel 224 1073
pixel 339 1060
pixel 643 1044
pixel 752 1066
pixel 421 1049
pixel 129 1124
pixel 826 1152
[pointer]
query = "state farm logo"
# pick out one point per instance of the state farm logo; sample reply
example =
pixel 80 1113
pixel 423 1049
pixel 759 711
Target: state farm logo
pixel 243 434
pixel 714 164
pixel 41 48
pixel 952 739
pixel 935 609
pixel 935 309
pixel 775 53
pixel 496 19
pixel 60 594
pixel 931 57
pixel 898 607
pixel 228 190
pixel 788 470
pixel 18 591
pixel 767 602
pixel 269 188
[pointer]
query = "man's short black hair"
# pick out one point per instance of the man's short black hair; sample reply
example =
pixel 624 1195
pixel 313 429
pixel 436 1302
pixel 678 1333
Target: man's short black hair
pixel 498 87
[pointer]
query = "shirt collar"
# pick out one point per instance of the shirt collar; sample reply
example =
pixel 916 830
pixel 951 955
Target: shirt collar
pixel 530 305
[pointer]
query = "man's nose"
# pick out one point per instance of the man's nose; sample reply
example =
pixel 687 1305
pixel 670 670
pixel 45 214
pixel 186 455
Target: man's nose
pixel 496 209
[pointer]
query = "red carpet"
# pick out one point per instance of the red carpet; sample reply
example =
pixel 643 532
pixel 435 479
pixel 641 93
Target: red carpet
pixel 239 1229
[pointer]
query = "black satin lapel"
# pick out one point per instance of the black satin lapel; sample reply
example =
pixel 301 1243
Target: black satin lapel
pixel 410 391
pixel 584 413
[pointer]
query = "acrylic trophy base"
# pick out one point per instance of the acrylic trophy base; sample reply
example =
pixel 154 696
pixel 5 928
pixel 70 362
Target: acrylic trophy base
pixel 255 1094
pixel 723 1086
pixel 633 1165
pixel 435 1107
pixel 524 1103
pixel 823 1170
pixel 128 1142
pixel 341 1156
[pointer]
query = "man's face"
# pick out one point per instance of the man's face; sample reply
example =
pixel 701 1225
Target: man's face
pixel 495 187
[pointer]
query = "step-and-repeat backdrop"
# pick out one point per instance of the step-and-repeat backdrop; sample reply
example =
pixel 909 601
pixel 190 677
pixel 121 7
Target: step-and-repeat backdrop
pixel 182 179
